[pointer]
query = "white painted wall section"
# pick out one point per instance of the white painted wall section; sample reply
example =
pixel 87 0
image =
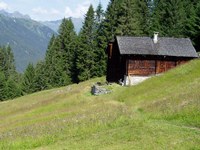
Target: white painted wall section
pixel 134 80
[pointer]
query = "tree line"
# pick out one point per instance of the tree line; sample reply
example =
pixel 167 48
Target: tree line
pixel 72 58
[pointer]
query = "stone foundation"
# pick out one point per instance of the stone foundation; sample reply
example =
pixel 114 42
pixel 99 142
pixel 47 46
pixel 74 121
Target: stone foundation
pixel 133 80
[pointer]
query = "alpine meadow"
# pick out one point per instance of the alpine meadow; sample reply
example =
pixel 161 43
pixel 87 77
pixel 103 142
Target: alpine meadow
pixel 50 105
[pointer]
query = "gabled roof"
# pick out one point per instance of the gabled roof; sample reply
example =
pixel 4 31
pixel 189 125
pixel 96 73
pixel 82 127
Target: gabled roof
pixel 179 47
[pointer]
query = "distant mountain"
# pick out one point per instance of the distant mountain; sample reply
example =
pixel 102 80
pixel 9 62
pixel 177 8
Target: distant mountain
pixel 27 38
pixel 16 14
pixel 54 25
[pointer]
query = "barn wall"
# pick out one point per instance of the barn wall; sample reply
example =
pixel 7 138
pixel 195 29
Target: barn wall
pixel 150 65
pixel 164 65
pixel 141 67
pixel 113 63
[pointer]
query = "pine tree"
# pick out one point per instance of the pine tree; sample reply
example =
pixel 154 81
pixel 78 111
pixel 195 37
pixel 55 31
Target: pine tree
pixel 110 22
pixel 28 79
pixel 144 13
pixel 9 78
pixel 192 25
pixel 60 56
pixel 49 62
pixel 85 52
pixel 7 61
pixel 129 21
pixel 2 86
pixel 40 79
pixel 99 51
pixel 169 18
pixel 67 36
pixel 12 89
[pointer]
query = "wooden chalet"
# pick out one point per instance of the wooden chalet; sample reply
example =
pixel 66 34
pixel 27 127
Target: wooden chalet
pixel 144 56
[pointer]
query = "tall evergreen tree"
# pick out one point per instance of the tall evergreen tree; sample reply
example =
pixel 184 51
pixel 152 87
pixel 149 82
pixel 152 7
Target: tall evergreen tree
pixel 110 22
pixel 85 52
pixel 192 25
pixel 2 86
pixel 12 89
pixel 60 56
pixel 49 62
pixel 7 61
pixel 28 79
pixel 40 79
pixel 67 36
pixel 128 22
pixel 169 18
pixel 99 50
pixel 9 79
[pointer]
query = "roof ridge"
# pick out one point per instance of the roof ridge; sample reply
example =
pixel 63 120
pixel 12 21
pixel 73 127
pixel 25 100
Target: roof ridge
pixel 134 36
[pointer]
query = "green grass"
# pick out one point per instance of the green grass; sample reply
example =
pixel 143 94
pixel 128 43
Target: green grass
pixel 160 113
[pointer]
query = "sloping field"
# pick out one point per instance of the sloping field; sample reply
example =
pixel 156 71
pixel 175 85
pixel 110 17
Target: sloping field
pixel 160 113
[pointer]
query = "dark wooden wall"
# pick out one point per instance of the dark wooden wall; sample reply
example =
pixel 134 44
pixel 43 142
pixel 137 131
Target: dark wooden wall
pixel 113 63
pixel 150 65
pixel 164 65
pixel 141 65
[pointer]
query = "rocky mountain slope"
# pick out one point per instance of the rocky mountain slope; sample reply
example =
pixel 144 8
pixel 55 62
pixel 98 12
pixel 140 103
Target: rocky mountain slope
pixel 27 38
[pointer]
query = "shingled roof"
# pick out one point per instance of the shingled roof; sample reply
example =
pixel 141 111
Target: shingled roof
pixel 179 47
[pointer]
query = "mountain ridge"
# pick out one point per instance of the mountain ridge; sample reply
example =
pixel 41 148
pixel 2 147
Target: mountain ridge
pixel 28 38
pixel 54 25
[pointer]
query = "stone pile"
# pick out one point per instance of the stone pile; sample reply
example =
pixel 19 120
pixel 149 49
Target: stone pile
pixel 99 90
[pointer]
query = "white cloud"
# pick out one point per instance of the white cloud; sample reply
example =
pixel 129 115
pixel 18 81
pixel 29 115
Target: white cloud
pixel 43 11
pixel 79 11
pixel 39 10
pixel 55 11
pixel 42 14
pixel 3 5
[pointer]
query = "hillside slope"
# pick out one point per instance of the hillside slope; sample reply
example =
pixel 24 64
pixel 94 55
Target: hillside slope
pixel 160 113
pixel 27 38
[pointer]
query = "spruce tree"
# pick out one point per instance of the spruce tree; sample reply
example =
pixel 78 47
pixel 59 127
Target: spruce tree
pixel 169 18
pixel 67 37
pixel 2 86
pixel 192 25
pixel 12 89
pixel 60 56
pixel 110 22
pixel 28 79
pixel 99 50
pixel 40 79
pixel 7 61
pixel 9 78
pixel 85 52
pixel 130 19
pixel 49 62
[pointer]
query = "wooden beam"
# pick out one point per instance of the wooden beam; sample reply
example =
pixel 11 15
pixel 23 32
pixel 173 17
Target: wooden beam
pixel 110 50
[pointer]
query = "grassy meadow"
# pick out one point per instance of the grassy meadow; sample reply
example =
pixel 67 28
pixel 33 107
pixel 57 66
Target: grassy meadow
pixel 161 113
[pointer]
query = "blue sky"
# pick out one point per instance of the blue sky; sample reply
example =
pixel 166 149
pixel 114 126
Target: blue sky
pixel 43 10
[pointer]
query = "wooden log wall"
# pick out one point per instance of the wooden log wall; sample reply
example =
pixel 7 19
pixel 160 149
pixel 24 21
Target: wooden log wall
pixel 141 67
pixel 163 66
